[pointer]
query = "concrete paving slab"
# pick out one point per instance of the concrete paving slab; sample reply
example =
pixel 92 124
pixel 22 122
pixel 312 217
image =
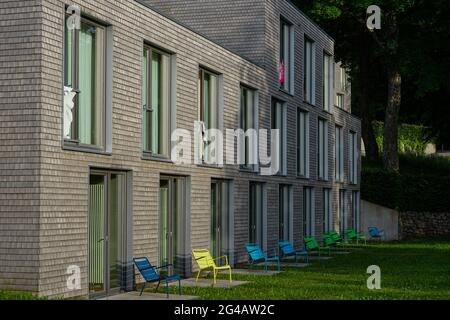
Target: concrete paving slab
pixel 256 272
pixel 134 295
pixel 205 283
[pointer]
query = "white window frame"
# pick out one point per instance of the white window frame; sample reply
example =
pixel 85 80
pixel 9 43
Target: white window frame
pixel 308 212
pixel 327 210
pixel 303 146
pixel 328 76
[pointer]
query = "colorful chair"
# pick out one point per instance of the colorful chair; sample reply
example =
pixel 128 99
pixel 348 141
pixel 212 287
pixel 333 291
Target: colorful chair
pixel 375 233
pixel 312 245
pixel 352 235
pixel 150 274
pixel 257 256
pixel 287 249
pixel 206 262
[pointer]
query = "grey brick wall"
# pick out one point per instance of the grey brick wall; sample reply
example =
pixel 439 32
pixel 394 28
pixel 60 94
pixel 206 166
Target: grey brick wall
pixel 20 133
pixel 52 183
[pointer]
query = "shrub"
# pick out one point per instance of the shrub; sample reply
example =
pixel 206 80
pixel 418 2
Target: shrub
pixel 411 138
pixel 421 185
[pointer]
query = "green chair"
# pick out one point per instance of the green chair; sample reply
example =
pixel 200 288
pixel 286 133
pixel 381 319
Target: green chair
pixel 352 235
pixel 311 245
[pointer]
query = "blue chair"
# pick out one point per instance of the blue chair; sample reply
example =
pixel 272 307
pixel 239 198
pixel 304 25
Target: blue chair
pixel 257 256
pixel 287 249
pixel 375 233
pixel 150 274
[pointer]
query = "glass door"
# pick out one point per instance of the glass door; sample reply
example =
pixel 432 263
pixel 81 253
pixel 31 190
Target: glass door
pixel 256 214
pixel 107 214
pixel 219 217
pixel 171 234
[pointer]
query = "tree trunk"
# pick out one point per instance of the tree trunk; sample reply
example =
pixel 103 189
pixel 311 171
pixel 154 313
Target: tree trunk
pixel 368 136
pixel 390 144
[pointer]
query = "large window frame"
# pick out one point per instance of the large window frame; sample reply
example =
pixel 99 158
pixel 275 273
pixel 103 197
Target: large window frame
pixel 328 71
pixel 249 120
pixel 285 213
pixel 257 214
pixel 339 154
pixel 157 113
pixel 287 55
pixel 308 212
pixel 322 151
pixel 327 210
pixel 353 157
pixel 209 91
pixel 279 121
pixel 302 143
pixel 309 79
pixel 88 127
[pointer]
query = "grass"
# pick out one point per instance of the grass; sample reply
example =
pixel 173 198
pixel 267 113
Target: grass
pixel 18 295
pixel 409 270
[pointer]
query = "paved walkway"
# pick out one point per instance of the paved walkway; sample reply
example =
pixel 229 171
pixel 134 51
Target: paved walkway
pixel 205 283
pixel 256 272
pixel 134 295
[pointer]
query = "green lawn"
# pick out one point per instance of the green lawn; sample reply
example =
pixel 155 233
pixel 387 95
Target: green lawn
pixel 409 270
pixel 16 295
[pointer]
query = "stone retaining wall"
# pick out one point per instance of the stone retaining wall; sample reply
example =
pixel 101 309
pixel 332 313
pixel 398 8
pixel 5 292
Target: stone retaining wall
pixel 424 224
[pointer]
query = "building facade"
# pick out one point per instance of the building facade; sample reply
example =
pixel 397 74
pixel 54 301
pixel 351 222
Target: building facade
pixel 87 186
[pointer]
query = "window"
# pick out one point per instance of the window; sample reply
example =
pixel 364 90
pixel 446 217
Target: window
pixel 256 214
pixel 308 212
pixel 156 102
pixel 309 77
pixel 353 157
pixel 342 211
pixel 302 143
pixel 285 213
pixel 323 149
pixel 208 107
pixel 84 73
pixel 286 56
pixel 356 211
pixel 340 100
pixel 279 122
pixel 327 82
pixel 248 122
pixel 339 154
pixel 342 84
pixel 327 211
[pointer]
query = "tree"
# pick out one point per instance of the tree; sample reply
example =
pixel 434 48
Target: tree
pixel 390 49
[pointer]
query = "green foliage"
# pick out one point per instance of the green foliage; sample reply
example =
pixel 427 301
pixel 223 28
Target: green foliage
pixel 411 138
pixel 421 185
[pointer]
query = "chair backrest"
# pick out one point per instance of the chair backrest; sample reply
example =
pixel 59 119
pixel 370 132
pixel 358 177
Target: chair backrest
pixel 147 271
pixel 286 247
pixel 310 243
pixel 328 240
pixel 351 234
pixel 255 252
pixel 374 232
pixel 203 258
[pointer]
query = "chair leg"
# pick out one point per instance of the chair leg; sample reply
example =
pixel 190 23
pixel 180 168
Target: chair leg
pixel 167 289
pixel 143 287
pixel 215 275
pixel 230 275
pixel 157 286
pixel 198 274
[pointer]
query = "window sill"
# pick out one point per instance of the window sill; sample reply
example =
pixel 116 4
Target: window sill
pixel 286 92
pixel 211 166
pixel 299 177
pixel 244 170
pixel 309 103
pixel 85 149
pixel 149 157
